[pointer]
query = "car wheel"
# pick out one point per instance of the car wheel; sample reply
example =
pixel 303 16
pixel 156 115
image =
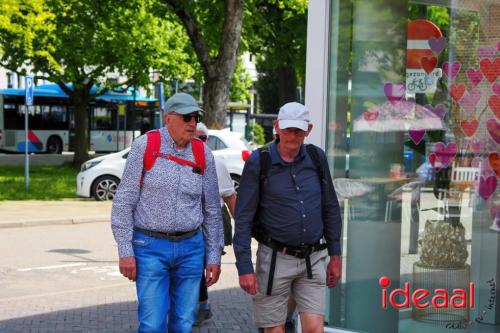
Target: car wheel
pixel 54 145
pixel 104 188
pixel 236 181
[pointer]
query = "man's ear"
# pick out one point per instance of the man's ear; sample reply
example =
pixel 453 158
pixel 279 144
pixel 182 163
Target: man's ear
pixel 276 125
pixel 166 119
pixel 309 129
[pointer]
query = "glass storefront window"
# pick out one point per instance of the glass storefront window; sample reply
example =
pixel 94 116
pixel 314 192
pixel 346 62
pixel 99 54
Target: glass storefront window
pixel 412 136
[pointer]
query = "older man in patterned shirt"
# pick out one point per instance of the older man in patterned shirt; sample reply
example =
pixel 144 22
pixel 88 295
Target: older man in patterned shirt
pixel 165 220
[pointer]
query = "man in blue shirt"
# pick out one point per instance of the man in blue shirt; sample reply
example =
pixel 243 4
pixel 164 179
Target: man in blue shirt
pixel 295 207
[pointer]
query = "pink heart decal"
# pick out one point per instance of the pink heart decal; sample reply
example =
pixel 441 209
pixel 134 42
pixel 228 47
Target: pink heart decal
pixel 439 110
pixel 394 92
pixel 445 153
pixel 428 64
pixel 457 91
pixel 477 146
pixel 469 101
pixel 476 162
pixel 370 117
pixel 416 135
pixel 487 186
pixel 474 75
pixel 485 52
pixel 437 44
pixel 496 88
pixel 451 69
pixel 493 128
pixel 434 162
pixel 494 161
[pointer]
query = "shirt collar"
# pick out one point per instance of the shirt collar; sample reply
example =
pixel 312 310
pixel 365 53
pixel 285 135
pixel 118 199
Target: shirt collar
pixel 276 158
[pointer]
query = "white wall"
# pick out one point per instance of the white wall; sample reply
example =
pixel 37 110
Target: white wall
pixel 317 68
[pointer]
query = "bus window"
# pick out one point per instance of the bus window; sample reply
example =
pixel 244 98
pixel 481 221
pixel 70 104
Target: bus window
pixel 58 117
pixel 11 117
pixel 102 119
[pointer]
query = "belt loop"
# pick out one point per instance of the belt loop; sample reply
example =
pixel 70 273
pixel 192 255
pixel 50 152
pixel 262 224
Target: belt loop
pixel 308 267
pixel 271 273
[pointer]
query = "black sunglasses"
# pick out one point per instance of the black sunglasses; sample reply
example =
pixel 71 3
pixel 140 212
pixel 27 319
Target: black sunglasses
pixel 187 117
pixel 203 138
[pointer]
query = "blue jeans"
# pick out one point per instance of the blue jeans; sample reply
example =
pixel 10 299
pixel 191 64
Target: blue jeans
pixel 168 282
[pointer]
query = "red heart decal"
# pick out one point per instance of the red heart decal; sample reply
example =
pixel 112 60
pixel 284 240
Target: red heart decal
pixel 457 91
pixel 494 160
pixel 490 69
pixel 469 127
pixel 428 64
pixel 370 117
pixel 494 103
pixel 434 162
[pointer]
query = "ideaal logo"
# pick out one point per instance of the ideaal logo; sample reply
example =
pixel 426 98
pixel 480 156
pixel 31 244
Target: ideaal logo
pixel 460 298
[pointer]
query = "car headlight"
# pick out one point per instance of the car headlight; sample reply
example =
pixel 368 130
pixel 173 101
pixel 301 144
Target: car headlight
pixel 88 165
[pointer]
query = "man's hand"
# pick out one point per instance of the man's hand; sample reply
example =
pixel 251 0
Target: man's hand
pixel 212 273
pixel 248 282
pixel 333 271
pixel 128 268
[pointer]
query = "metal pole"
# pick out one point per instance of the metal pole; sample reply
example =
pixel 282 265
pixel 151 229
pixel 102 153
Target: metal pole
pixel 26 156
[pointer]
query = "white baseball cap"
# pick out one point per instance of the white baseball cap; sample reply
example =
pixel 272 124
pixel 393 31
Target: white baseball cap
pixel 293 115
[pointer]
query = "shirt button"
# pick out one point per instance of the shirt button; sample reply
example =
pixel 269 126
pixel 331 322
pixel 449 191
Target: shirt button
pixel 303 215
pixel 301 201
pixel 304 230
pixel 294 176
pixel 301 243
pixel 298 188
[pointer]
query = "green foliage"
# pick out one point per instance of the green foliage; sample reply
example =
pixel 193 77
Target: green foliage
pixel 257 133
pixel 46 182
pixel 276 31
pixel 241 83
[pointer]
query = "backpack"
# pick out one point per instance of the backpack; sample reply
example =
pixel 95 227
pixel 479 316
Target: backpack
pixel 153 152
pixel 265 166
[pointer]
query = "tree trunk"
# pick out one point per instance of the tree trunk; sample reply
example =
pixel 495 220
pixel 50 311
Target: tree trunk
pixel 81 101
pixel 215 96
pixel 217 72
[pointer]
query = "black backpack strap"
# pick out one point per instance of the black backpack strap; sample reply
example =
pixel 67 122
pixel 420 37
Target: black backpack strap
pixel 313 154
pixel 265 164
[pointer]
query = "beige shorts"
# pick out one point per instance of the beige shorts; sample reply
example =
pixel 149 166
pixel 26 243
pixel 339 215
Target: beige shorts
pixel 290 276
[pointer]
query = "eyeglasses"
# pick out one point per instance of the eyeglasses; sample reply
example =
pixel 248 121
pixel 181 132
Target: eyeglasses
pixel 203 138
pixel 187 117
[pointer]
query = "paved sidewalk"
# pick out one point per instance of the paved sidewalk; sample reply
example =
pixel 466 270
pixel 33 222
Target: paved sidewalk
pixel 24 213
pixel 103 308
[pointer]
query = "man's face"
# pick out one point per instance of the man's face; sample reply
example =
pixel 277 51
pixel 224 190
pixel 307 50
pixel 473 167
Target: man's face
pixel 291 138
pixel 179 128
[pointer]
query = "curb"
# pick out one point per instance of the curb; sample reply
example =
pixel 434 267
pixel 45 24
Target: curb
pixel 60 221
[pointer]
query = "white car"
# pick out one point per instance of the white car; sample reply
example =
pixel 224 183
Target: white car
pixel 99 177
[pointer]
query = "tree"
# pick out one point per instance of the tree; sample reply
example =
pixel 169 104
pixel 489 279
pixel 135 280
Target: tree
pixel 79 41
pixel 276 31
pixel 215 44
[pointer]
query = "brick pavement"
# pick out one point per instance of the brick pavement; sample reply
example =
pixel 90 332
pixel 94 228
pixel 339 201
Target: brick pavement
pixel 112 310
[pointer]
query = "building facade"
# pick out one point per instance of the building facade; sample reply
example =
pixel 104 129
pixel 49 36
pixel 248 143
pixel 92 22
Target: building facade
pixel 405 99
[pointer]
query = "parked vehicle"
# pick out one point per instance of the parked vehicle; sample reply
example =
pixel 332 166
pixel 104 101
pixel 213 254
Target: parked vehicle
pixel 99 177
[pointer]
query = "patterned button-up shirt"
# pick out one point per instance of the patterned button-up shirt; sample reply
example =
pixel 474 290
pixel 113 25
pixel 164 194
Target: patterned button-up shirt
pixel 172 198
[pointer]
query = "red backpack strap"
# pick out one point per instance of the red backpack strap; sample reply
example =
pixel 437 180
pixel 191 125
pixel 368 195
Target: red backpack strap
pixel 152 149
pixel 198 148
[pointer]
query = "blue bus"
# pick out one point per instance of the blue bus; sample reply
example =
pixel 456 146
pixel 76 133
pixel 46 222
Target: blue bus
pixel 115 119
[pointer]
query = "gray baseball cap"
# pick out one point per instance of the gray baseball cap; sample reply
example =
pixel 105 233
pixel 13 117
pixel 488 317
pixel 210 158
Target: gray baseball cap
pixel 293 115
pixel 182 103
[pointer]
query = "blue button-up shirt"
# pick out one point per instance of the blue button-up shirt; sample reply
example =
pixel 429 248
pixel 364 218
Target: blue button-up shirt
pixel 172 198
pixel 290 205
